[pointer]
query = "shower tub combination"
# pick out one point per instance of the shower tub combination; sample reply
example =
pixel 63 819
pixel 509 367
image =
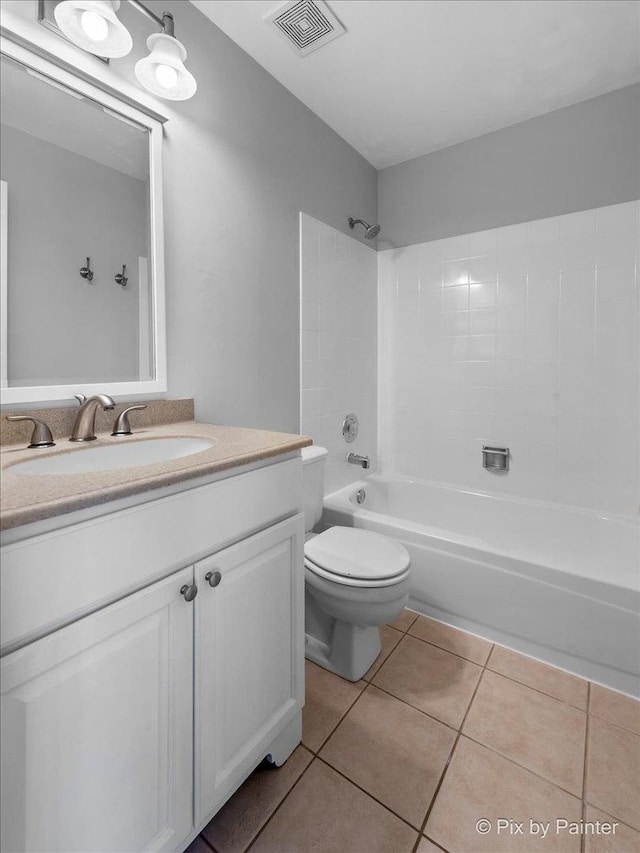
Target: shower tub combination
pixel 557 583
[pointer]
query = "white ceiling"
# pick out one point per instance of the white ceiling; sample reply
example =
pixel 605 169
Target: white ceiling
pixel 412 76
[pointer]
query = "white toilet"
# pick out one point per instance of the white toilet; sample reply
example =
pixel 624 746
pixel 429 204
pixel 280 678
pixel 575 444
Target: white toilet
pixel 355 580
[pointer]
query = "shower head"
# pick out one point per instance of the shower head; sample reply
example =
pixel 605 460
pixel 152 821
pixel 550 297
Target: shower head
pixel 370 231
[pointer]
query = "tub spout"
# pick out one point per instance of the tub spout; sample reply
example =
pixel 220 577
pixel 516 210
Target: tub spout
pixel 357 459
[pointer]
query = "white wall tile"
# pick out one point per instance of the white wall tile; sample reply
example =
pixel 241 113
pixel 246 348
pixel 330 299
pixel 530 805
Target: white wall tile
pixel 455 272
pixel 578 285
pixel 512 287
pixel 483 243
pixel 483 269
pixel 339 331
pixel 483 295
pixel 482 347
pixel 546 360
pixel 483 321
pixel 456 323
pixel 542 233
pixel 511 318
pixel 543 281
pixel 453 248
pixel 456 298
pixel 309 315
pixel 578 226
pixel 512 239
pixel 511 345
pixel 615 281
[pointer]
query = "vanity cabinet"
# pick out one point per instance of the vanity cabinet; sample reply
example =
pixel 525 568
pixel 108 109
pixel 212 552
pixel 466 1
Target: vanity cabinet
pixel 96 729
pixel 249 673
pixel 127 728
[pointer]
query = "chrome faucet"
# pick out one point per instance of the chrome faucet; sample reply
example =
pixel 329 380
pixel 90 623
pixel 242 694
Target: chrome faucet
pixel 357 459
pixel 84 428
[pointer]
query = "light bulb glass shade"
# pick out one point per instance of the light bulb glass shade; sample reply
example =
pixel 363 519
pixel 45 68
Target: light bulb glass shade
pixel 163 72
pixel 94 26
pixel 167 76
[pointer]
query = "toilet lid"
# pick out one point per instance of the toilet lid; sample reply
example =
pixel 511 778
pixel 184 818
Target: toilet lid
pixel 358 554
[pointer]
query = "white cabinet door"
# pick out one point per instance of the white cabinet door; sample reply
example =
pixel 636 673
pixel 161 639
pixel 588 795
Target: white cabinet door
pixel 249 656
pixel 97 730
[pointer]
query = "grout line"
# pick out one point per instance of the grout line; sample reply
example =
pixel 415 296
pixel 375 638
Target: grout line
pixel 384 660
pixel 521 766
pixel 584 769
pixel 202 838
pixel 586 747
pixel 466 714
pixel 368 793
pixel 442 648
pixel 497 672
pixel 278 807
pixel 342 716
pixel 401 630
pixel 526 657
pixel 450 757
pixel 542 692
pixel 633 732
pixel 431 841
pixel 413 707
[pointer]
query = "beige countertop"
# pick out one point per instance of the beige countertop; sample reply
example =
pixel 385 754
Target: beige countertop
pixel 26 498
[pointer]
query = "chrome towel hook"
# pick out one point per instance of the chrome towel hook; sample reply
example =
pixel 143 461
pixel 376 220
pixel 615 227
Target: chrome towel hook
pixel 86 272
pixel 120 278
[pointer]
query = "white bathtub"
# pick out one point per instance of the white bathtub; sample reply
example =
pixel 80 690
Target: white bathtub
pixel 557 583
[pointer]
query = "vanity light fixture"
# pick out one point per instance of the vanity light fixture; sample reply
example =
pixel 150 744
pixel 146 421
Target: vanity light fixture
pixel 163 72
pixel 94 26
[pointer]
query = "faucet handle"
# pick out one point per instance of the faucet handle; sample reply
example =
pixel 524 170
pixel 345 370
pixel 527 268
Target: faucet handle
pixel 80 398
pixel 122 425
pixel 41 436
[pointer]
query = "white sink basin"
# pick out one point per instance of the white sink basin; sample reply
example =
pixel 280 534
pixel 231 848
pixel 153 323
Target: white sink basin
pixel 84 460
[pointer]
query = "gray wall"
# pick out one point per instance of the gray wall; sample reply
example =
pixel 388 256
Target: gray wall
pixel 583 156
pixel 61 208
pixel 241 159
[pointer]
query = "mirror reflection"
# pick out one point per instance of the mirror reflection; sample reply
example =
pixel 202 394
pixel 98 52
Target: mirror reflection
pixel 76 219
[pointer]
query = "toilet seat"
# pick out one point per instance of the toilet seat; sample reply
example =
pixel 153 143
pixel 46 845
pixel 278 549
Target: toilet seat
pixel 357 558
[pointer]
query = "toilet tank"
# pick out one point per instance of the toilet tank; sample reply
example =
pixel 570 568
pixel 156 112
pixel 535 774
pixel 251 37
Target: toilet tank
pixel 313 464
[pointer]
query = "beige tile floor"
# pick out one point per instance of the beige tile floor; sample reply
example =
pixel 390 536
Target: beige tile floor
pixel 445 730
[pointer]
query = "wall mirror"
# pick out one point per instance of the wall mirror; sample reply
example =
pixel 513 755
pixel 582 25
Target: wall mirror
pixel 82 290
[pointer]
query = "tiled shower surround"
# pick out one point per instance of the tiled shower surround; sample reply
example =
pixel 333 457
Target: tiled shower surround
pixel 338 345
pixel 524 336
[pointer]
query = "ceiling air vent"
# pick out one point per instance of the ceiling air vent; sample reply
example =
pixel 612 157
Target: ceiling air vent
pixel 306 24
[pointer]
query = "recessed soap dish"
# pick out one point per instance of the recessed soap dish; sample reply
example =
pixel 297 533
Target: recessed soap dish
pixel 495 458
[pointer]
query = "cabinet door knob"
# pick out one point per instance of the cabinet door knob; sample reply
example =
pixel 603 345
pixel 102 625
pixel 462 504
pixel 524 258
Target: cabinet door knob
pixel 189 591
pixel 213 578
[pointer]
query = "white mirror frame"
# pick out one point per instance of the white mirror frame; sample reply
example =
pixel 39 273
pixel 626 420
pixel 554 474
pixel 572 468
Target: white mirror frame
pixel 46 393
